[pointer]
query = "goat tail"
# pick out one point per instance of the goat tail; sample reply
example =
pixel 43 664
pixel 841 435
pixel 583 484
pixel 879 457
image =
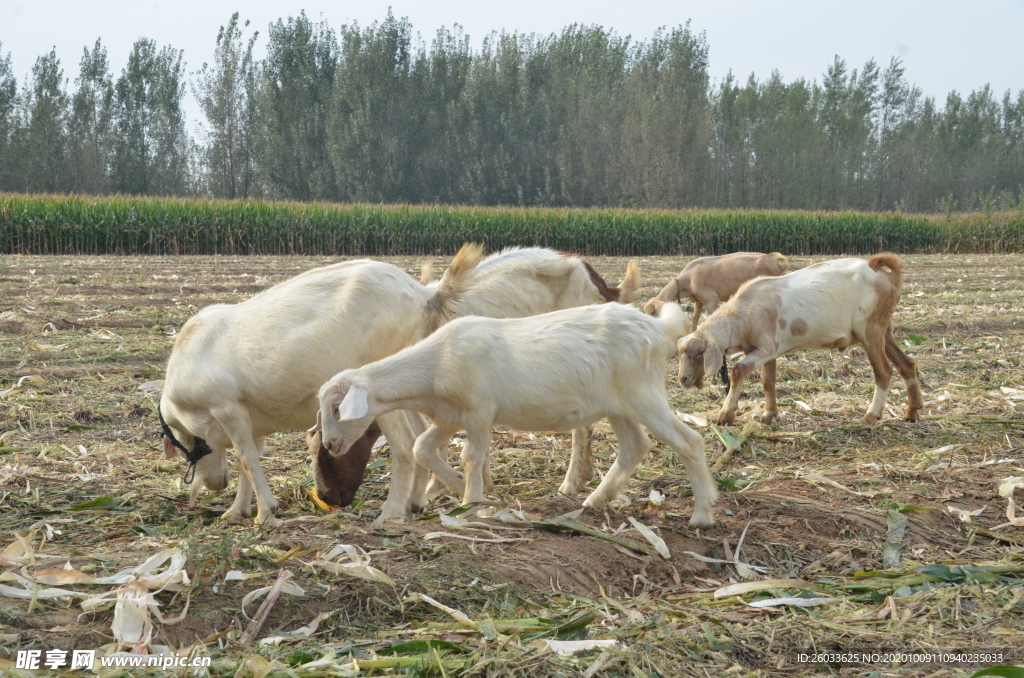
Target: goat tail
pixel 454 282
pixel 674 318
pixel 783 260
pixel 426 272
pixel 891 262
pixel 630 285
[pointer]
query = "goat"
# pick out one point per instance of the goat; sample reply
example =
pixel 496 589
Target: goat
pixel 240 372
pixel 710 281
pixel 833 304
pixel 556 371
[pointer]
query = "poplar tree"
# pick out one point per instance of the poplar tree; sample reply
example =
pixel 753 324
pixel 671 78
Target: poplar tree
pixel 91 120
pixel 8 103
pixel 226 94
pixel 294 107
pixel 46 133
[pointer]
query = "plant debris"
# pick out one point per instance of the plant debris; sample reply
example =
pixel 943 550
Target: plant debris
pixel 812 515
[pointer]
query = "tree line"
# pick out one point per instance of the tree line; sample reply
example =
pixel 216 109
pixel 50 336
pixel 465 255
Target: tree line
pixel 585 117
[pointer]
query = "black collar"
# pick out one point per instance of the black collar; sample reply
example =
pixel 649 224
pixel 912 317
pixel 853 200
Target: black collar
pixel 200 450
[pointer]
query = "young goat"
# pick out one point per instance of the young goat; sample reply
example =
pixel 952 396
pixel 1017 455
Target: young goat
pixel 710 281
pixel 557 371
pixel 833 304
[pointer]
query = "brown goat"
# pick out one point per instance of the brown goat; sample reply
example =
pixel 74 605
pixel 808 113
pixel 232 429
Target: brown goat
pixel 710 281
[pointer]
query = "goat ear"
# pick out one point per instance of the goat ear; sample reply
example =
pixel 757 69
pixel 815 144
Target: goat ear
pixel 356 404
pixel 318 425
pixel 713 358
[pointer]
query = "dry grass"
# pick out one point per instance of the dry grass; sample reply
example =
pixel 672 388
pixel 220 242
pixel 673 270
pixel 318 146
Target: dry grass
pixel 810 493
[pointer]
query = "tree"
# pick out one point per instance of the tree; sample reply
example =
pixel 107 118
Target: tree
pixel 91 119
pixel 294 106
pixel 151 147
pixel 226 94
pixel 8 122
pixel 46 135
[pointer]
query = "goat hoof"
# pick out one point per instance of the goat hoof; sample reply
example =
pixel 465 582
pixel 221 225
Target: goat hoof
pixel 726 418
pixel 912 415
pixel 233 515
pixel 269 520
pixel 870 419
pixel 702 519
pixel 390 513
pixel 568 489
pixel 765 418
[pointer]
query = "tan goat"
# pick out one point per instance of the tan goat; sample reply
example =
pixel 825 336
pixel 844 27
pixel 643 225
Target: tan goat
pixel 710 281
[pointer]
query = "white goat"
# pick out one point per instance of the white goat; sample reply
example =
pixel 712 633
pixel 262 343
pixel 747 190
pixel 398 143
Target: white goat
pixel 556 371
pixel 833 304
pixel 240 372
pixel 710 281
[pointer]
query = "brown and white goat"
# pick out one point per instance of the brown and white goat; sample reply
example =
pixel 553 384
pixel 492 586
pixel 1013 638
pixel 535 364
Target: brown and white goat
pixel 833 304
pixel 710 281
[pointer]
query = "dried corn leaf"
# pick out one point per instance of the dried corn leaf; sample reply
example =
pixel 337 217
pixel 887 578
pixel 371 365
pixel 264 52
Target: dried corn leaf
pixel 460 617
pixel 359 565
pixel 750 587
pixel 657 542
pixel 19 551
pixel 306 631
pixel 131 624
pixel 52 348
pixel 706 559
pixel 494 539
pixel 796 602
pixel 1008 485
pixel 289 587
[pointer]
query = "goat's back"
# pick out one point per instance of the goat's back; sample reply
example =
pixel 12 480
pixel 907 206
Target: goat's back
pixel 554 371
pixel 272 352
pixel 521 282
pixel 726 273
pixel 821 304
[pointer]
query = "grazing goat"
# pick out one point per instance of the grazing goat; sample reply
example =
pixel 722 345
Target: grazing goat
pixel 833 304
pixel 240 372
pixel 557 371
pixel 710 281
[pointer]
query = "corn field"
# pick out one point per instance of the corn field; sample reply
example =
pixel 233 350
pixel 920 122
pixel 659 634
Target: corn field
pixel 55 224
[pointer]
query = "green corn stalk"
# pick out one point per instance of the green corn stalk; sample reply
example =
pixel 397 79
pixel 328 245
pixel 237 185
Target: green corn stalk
pixel 57 224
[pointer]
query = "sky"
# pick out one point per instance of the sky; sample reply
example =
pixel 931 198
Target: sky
pixel 945 45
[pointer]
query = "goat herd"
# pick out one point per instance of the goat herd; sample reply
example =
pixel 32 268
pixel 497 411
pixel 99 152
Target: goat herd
pixel 522 339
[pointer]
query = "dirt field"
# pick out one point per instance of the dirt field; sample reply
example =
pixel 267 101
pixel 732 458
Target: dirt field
pixel 810 500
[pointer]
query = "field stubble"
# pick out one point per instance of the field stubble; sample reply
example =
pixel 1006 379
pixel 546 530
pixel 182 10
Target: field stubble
pixel 806 498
